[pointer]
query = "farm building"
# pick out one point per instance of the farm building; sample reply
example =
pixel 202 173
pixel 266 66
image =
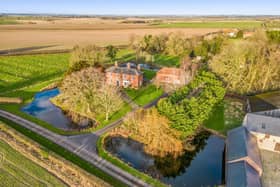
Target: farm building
pixel 124 76
pixel 266 127
pixel 246 146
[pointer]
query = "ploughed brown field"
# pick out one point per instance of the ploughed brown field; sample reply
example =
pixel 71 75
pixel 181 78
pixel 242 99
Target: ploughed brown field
pixel 65 33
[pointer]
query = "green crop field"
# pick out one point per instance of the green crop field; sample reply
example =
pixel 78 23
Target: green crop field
pixel 17 170
pixel 213 24
pixel 8 21
pixel 22 76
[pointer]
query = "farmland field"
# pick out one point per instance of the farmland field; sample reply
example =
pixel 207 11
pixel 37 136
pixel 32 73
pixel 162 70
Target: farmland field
pixel 17 170
pixel 213 24
pixel 22 76
pixel 63 33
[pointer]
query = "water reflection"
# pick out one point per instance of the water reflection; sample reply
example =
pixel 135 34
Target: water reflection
pixel 42 108
pixel 201 167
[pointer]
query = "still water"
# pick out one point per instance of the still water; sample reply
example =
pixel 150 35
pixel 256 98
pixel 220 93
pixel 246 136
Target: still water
pixel 199 168
pixel 42 108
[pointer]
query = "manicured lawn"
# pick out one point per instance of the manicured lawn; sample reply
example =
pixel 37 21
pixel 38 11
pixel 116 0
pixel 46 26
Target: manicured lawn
pixel 149 74
pixel 107 156
pixel 64 153
pixel 144 95
pixel 165 60
pixel 16 170
pixel 225 116
pixel 213 24
pixel 126 55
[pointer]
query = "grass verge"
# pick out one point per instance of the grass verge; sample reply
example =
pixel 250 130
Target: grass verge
pixel 107 156
pixel 144 95
pixel 64 153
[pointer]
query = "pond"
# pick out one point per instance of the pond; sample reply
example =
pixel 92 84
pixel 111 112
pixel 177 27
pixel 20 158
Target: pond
pixel 202 167
pixel 42 108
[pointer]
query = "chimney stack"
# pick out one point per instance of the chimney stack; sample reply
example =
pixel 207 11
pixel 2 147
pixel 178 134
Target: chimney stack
pixel 128 65
pixel 116 64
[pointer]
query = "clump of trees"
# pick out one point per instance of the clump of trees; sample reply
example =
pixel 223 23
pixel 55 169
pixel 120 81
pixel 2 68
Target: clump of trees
pixel 274 36
pixel 153 130
pixel 85 93
pixel 174 44
pixel 91 56
pixel 188 107
pixel 249 66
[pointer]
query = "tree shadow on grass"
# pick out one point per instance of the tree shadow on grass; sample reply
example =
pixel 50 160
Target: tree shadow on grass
pixel 29 82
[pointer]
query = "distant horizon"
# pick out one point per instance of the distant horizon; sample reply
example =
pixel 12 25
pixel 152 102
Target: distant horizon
pixel 141 15
pixel 143 7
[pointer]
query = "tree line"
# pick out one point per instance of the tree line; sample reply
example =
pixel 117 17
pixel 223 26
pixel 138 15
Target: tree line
pixel 250 66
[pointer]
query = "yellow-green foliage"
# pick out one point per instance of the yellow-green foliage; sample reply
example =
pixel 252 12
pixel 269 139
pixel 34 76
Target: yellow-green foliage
pixel 249 66
pixel 153 130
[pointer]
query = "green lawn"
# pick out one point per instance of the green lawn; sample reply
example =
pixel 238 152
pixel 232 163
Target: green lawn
pixel 126 55
pixel 144 95
pixel 165 60
pixel 149 74
pixel 117 115
pixel 17 170
pixel 226 115
pixel 213 24
pixel 63 153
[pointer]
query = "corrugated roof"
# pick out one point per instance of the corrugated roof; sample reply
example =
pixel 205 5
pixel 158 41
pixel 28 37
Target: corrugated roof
pixel 241 174
pixel 243 145
pixel 124 70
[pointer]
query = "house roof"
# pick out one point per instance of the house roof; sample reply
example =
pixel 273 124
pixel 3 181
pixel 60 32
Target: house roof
pixel 267 122
pixel 170 71
pixel 124 70
pixel 243 145
pixel 241 174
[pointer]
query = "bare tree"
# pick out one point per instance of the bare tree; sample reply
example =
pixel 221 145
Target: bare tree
pixel 110 99
pixel 86 93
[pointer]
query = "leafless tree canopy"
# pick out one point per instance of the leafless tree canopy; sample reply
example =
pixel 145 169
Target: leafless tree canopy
pixel 85 93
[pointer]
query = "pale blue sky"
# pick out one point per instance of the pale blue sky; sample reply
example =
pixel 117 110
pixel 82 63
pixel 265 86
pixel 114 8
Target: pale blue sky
pixel 143 7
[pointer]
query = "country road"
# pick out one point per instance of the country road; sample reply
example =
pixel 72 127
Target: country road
pixel 84 145
pixel 79 146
